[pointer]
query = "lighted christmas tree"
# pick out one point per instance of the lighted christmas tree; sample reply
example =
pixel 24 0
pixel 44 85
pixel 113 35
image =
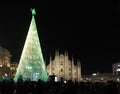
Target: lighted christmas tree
pixel 31 65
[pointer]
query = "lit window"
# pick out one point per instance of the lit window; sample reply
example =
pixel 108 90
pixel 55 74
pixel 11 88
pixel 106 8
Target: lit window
pixel 94 74
pixel 118 69
pixel 118 79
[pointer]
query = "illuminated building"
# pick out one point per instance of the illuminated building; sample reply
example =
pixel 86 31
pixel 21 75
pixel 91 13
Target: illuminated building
pixel 116 69
pixel 64 68
pixel 13 69
pixel 31 65
pixel 5 58
pixel 98 77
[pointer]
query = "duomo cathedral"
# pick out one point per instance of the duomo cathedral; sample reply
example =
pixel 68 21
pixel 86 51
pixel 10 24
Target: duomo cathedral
pixel 63 67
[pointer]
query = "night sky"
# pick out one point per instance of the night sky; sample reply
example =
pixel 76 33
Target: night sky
pixel 84 30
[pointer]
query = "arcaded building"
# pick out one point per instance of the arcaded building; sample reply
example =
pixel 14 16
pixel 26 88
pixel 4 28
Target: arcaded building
pixel 5 58
pixel 63 67
pixel 13 69
pixel 6 67
pixel 116 69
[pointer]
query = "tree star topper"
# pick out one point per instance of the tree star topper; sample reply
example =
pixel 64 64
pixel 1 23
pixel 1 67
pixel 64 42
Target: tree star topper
pixel 33 11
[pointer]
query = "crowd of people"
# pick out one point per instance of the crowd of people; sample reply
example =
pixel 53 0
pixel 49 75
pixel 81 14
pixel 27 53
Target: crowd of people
pixel 51 87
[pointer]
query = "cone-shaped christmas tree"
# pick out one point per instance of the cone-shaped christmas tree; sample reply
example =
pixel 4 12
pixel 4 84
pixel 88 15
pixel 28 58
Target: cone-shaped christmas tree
pixel 31 65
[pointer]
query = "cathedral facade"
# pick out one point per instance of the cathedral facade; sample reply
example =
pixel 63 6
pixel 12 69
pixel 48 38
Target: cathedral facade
pixel 63 67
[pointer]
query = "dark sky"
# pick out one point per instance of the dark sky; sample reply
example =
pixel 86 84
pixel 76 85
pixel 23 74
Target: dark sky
pixel 88 33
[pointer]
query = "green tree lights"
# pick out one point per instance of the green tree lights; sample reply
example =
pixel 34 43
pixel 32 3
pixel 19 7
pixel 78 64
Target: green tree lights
pixel 31 65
